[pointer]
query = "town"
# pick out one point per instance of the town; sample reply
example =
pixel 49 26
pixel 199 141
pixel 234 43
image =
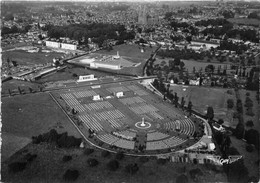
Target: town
pixel 160 91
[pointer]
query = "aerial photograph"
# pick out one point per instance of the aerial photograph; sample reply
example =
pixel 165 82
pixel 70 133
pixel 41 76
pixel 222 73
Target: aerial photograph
pixel 130 91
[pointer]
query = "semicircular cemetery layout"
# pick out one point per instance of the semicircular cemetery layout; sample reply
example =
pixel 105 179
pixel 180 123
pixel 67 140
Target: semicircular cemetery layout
pixel 128 117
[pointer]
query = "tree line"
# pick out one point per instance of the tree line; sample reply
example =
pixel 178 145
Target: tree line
pixel 98 32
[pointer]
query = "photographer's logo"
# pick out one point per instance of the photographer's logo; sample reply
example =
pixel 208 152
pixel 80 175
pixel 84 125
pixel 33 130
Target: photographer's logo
pixel 221 161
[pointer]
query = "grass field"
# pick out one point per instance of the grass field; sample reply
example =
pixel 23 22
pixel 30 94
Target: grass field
pixel 202 97
pixel 30 115
pixel 49 167
pixel 67 74
pixel 25 58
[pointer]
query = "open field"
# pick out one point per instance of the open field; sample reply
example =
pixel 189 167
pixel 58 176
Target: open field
pixel 244 21
pixel 25 58
pixel 190 64
pixel 49 167
pixel 31 115
pixel 67 74
pixel 202 97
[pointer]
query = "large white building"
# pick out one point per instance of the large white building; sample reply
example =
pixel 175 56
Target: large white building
pixel 66 46
pixel 206 45
pixel 53 44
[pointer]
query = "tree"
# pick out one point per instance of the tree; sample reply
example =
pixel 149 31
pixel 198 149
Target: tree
pixel 210 68
pixel 182 179
pixel 92 162
pixel 182 102
pixel 66 158
pixel 210 113
pixel 220 121
pixel 239 131
pixel 88 151
pixel 113 165
pixel 250 123
pixel 132 168
pixel 119 155
pixel 105 153
pixel 17 166
pixel 252 137
pixel 230 103
pixel 71 175
pixel 190 107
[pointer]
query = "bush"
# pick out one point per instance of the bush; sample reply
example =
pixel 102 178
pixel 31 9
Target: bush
pixel 236 171
pixel 17 166
pixel 161 161
pixel 239 131
pixel 30 157
pixel 250 123
pixel 230 92
pixel 66 158
pixel 71 175
pixel 252 137
pixel 105 153
pixel 113 165
pixel 144 159
pixel 247 94
pixel 249 148
pixel 132 168
pixel 250 112
pixel 92 162
pixel 88 151
pixel 182 179
pixel 194 173
pixel 119 155
pixel 230 103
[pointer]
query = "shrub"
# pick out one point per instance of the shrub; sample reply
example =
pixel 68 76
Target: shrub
pixel 247 94
pixel 182 179
pixel 30 157
pixel 132 168
pixel 194 173
pixel 88 151
pixel 113 165
pixel 66 158
pixel 236 171
pixel 71 175
pixel 92 162
pixel 230 103
pixel 105 153
pixel 161 161
pixel 249 148
pixel 144 159
pixel 119 155
pixel 17 166
pixel 230 92
pixel 252 137
pixel 250 112
pixel 250 123
pixel 239 131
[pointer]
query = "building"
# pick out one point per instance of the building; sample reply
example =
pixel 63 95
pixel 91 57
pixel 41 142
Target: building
pixel 68 46
pixel 53 44
pixel 206 45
